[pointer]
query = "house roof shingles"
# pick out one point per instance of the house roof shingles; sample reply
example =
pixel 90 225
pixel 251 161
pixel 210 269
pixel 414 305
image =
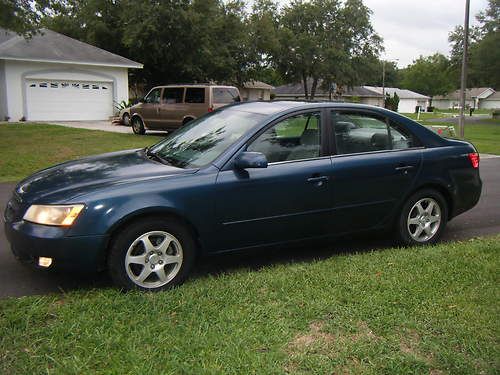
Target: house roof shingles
pixel 50 46
pixel 469 94
pixel 297 89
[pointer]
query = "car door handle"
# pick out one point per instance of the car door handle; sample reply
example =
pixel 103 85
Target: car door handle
pixel 404 168
pixel 319 180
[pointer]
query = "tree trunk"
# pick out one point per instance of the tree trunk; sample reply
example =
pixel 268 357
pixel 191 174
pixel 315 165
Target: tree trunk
pixel 313 88
pixel 304 82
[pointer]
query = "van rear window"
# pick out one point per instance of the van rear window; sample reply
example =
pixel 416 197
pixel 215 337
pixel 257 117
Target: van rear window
pixel 225 95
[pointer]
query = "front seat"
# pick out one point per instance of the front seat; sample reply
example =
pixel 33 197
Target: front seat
pixel 309 146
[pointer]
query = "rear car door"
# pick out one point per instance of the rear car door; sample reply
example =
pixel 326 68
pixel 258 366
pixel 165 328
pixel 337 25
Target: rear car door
pixel 288 200
pixel 196 102
pixel 375 165
pixel 172 108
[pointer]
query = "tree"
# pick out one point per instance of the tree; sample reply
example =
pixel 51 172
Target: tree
pixel 484 64
pixel 428 75
pixel 22 16
pixel 325 39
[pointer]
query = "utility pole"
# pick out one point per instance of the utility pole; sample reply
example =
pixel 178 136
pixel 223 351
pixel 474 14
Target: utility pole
pixel 383 80
pixel 463 78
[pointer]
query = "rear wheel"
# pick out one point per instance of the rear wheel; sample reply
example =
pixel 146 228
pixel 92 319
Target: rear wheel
pixel 423 218
pixel 153 254
pixel 187 120
pixel 138 126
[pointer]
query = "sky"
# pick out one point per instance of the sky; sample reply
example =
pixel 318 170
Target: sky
pixel 411 28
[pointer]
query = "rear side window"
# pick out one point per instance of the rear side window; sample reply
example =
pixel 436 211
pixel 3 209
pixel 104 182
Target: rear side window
pixel 195 95
pixel 225 95
pixel 355 133
pixel 172 95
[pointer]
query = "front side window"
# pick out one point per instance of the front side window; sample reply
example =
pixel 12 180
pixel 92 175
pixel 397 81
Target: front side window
pixel 359 132
pixel 195 95
pixel 153 97
pixel 297 137
pixel 173 95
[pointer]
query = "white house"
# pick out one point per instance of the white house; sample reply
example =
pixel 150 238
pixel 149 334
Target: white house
pixel 476 97
pixel 256 90
pixel 408 100
pixel 52 77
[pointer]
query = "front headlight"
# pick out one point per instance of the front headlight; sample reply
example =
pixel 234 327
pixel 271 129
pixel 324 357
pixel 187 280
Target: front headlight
pixel 61 215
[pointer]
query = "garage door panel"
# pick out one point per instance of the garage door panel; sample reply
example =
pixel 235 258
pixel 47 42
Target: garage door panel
pixel 66 101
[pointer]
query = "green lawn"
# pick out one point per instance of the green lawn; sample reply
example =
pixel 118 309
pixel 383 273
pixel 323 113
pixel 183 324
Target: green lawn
pixel 394 311
pixel 26 148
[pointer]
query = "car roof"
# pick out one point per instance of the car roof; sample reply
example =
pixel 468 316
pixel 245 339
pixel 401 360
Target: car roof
pixel 277 106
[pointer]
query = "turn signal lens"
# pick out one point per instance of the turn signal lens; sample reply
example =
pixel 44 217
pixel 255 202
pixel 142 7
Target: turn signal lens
pixel 61 215
pixel 474 159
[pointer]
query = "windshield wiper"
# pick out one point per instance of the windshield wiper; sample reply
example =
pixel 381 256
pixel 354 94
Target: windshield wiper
pixel 153 156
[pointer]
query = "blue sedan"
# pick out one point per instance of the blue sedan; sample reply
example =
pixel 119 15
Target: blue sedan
pixel 249 175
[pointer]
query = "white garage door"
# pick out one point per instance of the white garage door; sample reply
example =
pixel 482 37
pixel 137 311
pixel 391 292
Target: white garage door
pixel 68 100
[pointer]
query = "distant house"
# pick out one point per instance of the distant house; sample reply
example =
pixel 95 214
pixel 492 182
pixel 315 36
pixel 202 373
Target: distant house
pixel 52 77
pixel 408 100
pixel 477 97
pixel 255 90
pixel 356 94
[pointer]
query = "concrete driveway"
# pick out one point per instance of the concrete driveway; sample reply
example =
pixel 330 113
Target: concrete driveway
pixel 482 220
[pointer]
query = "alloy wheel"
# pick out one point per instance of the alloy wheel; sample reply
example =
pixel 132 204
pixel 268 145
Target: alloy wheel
pixel 424 219
pixel 153 259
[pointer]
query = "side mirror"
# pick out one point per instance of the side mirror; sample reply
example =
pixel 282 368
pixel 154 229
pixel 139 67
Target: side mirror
pixel 249 159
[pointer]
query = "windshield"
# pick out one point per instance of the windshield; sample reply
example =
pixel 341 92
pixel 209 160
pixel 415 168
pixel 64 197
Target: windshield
pixel 203 140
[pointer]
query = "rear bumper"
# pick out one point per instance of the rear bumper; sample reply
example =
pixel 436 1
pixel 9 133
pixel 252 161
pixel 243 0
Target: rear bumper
pixel 30 241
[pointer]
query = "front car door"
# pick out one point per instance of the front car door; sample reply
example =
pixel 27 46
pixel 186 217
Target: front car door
pixel 375 166
pixel 290 199
pixel 149 108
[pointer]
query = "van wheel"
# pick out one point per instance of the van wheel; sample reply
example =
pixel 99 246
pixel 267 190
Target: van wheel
pixel 138 126
pixel 423 218
pixel 187 120
pixel 152 254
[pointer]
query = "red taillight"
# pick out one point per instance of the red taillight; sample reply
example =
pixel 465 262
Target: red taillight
pixel 210 109
pixel 474 159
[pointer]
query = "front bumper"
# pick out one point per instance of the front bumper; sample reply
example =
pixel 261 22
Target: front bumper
pixel 30 241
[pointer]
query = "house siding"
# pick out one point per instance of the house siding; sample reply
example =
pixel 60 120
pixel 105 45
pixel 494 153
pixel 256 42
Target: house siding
pixel 3 92
pixel 16 71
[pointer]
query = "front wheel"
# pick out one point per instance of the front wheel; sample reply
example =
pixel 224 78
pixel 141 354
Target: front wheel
pixel 423 218
pixel 153 254
pixel 138 126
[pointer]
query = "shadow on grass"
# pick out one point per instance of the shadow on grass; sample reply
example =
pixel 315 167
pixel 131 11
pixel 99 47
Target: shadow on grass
pixel 226 263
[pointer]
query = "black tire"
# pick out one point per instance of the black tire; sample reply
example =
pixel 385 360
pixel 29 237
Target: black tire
pixel 127 236
pixel 187 120
pixel 126 119
pixel 405 229
pixel 138 126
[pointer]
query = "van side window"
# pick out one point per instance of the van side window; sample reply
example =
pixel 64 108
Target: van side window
pixel 195 95
pixel 172 95
pixel 360 132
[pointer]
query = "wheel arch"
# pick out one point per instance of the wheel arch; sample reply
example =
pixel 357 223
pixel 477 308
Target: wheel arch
pixel 439 187
pixel 188 118
pixel 158 212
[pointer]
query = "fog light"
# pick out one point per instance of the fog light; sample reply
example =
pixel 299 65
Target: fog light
pixel 44 262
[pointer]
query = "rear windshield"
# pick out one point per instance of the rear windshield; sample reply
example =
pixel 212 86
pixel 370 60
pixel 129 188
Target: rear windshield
pixel 225 95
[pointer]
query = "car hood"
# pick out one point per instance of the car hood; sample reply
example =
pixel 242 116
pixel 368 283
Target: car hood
pixel 71 179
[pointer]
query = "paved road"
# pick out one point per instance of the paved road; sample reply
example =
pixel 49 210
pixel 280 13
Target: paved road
pixel 482 220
